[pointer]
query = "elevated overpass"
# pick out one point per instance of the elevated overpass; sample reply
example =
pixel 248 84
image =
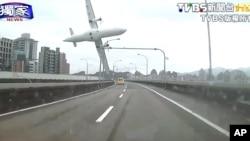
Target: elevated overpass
pixel 197 110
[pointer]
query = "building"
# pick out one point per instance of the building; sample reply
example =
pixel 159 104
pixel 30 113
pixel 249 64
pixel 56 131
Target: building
pixel 18 66
pixel 18 62
pixel 68 68
pixel 62 63
pixel 64 66
pixel 57 61
pixel 49 61
pixel 25 49
pixel 238 76
pixel 33 66
pixel 202 75
pixel 6 48
pixel 189 77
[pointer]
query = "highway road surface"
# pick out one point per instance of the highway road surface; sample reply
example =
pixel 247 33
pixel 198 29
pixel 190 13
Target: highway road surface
pixel 127 112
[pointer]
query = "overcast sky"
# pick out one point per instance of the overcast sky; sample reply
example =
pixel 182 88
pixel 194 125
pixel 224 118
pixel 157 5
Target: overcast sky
pixel 149 23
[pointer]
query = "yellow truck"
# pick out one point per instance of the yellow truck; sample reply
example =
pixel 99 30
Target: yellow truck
pixel 120 81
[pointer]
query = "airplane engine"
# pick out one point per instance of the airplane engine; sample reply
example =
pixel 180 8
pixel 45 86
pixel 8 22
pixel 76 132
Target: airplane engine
pixel 91 35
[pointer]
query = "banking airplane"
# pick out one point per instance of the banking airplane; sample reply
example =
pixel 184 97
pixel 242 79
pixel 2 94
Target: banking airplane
pixel 95 35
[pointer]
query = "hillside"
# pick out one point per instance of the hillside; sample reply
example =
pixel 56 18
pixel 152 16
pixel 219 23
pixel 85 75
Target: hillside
pixel 217 70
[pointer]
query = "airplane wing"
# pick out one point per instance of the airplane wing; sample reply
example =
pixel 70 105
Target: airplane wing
pixel 91 15
pixel 102 55
pixel 98 44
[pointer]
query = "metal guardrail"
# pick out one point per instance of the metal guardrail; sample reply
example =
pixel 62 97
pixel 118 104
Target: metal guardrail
pixel 21 75
pixel 231 94
pixel 201 83
pixel 39 85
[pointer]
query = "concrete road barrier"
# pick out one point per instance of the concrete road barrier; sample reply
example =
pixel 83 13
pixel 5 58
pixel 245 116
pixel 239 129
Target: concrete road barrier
pixel 12 99
pixel 235 95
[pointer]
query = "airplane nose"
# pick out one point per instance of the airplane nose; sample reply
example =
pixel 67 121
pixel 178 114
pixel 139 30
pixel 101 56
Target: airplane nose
pixel 123 30
pixel 66 40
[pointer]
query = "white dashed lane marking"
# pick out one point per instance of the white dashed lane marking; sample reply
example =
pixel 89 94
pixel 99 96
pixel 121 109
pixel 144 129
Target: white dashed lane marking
pixel 121 96
pixel 101 118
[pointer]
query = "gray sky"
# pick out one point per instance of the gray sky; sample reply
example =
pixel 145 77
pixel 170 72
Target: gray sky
pixel 149 23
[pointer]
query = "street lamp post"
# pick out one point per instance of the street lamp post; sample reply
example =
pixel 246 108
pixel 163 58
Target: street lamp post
pixel 164 59
pixel 209 48
pixel 146 63
pixel 114 68
pixel 87 69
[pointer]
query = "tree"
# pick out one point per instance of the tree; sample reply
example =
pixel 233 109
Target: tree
pixel 220 76
pixel 153 72
pixel 169 73
pixel 137 73
pixel 162 73
pixel 212 77
pixel 240 76
pixel 174 74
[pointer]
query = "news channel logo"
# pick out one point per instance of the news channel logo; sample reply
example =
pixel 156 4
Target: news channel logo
pixel 222 11
pixel 16 11
pixel 213 7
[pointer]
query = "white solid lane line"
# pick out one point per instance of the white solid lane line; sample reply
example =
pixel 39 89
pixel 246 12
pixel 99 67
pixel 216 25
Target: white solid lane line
pixel 223 131
pixel 121 96
pixel 100 119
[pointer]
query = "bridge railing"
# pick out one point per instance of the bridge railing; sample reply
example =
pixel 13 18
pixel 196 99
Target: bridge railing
pixel 232 94
pixel 18 96
pixel 42 76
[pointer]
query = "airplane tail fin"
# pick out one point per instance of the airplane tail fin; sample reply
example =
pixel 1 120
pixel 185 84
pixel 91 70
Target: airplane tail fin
pixel 72 33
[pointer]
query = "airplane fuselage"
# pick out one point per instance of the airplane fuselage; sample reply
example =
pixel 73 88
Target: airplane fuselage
pixel 95 34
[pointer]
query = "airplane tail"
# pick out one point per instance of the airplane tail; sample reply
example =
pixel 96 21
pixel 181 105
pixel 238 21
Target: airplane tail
pixel 72 33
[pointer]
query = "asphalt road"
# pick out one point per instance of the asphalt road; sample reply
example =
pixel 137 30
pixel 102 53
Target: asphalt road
pixel 121 113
